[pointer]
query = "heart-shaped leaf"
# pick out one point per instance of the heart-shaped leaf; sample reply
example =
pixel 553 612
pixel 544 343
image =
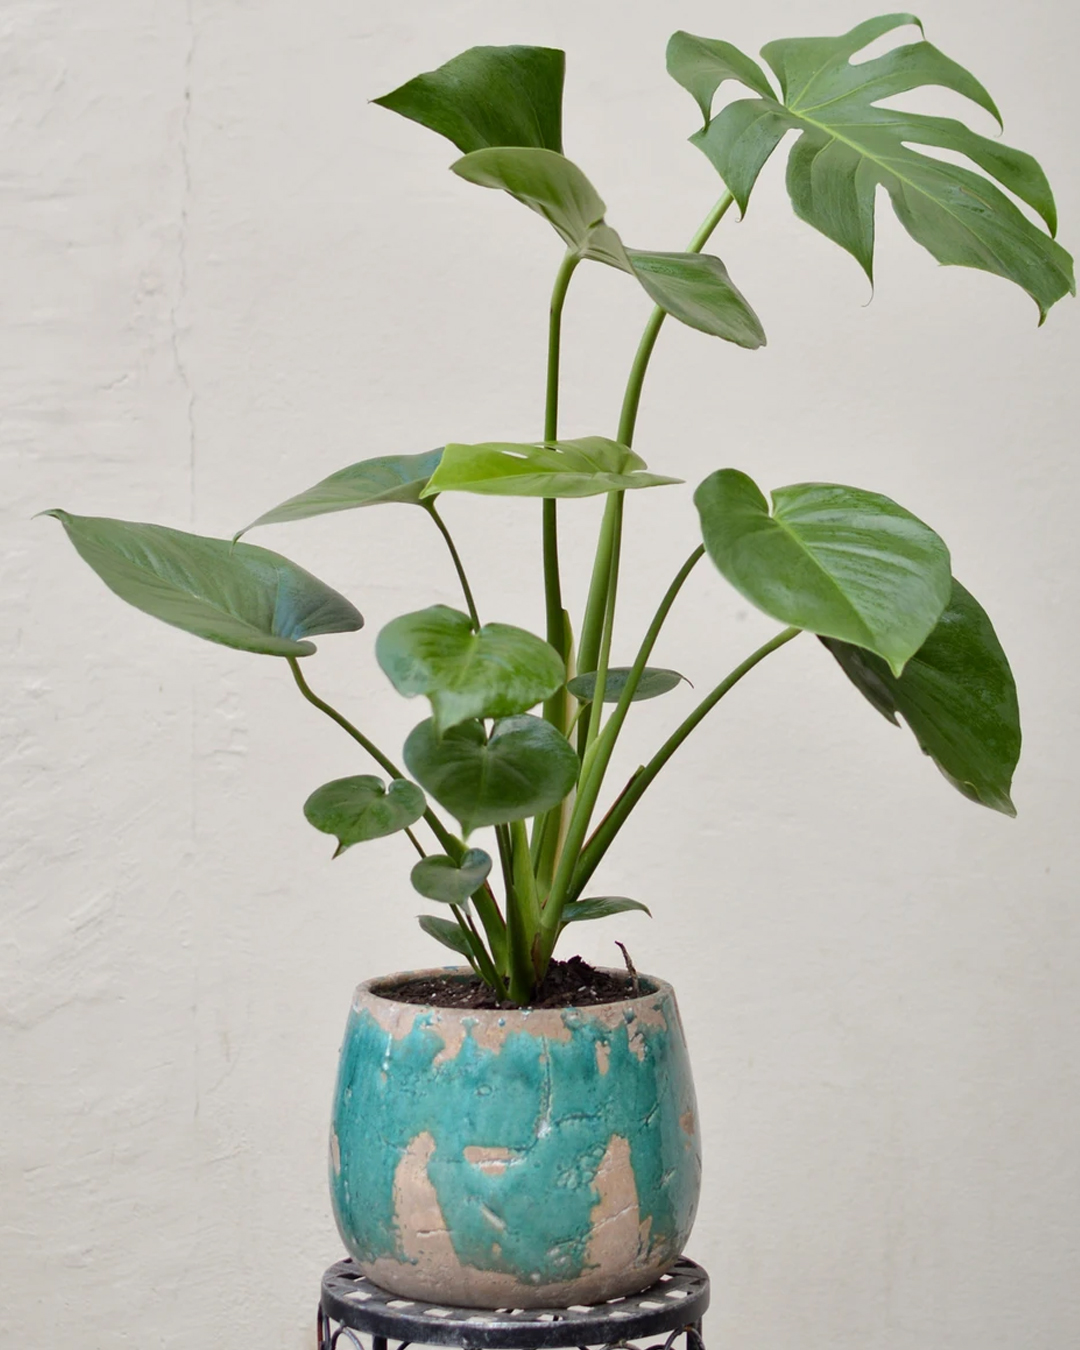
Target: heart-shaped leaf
pixel 600 907
pixel 655 680
pixel 848 146
pixel 361 808
pixel 957 695
pixel 235 594
pixel 489 96
pixel 390 478
pixel 524 769
pixel 579 468
pixel 692 287
pixel 447 932
pixel 440 878
pixel 836 561
pixel 495 672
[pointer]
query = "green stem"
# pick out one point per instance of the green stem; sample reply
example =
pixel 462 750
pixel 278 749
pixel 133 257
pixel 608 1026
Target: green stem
pixel 416 843
pixel 596 605
pixel 492 919
pixel 635 789
pixel 597 707
pixel 600 755
pixel 429 506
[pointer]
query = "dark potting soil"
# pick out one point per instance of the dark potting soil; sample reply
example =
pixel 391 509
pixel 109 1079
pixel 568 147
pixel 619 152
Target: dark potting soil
pixel 568 984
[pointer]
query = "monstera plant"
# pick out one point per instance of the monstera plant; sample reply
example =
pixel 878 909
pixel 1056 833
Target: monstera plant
pixel 512 764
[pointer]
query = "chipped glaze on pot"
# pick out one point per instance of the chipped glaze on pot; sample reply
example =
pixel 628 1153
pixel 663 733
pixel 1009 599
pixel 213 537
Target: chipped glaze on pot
pixel 514 1158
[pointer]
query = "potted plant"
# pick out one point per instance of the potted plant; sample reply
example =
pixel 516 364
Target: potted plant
pixel 521 1130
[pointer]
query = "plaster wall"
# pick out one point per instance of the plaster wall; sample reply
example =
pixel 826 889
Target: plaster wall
pixel 223 275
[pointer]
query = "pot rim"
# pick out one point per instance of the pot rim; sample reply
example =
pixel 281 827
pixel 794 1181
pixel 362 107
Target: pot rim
pixel 367 994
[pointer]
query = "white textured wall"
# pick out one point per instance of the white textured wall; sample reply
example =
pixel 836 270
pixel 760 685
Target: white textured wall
pixel 223 275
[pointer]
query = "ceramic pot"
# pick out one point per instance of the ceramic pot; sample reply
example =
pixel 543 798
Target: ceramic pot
pixel 514 1158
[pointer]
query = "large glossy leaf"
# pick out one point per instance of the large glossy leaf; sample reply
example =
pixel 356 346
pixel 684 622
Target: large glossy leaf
pixel 655 680
pixel 441 878
pixel 495 672
pixel 524 769
pixel 361 808
pixel 489 96
pixel 957 695
pixel 600 907
pixel 235 594
pixel 390 478
pixel 849 146
pixel 580 468
pixel 836 561
pixel 447 932
pixel 692 287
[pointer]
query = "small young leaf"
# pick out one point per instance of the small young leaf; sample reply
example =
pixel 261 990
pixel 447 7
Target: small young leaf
pixel 600 907
pixel 447 932
pixel 524 769
pixel 581 468
pixel 849 146
pixel 235 594
pixel 390 478
pixel 440 878
pixel 489 96
pixel 495 672
pixel 655 680
pixel 361 808
pixel 836 561
pixel 957 695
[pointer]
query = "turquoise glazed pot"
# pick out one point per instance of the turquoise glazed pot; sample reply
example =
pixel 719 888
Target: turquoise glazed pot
pixel 514 1158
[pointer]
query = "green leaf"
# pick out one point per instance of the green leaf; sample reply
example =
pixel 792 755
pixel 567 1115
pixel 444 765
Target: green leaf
pixel 447 932
pixel 957 695
pixel 361 808
pixel 440 878
pixel 833 560
pixel 695 289
pixel 235 594
pixel 579 468
pixel 655 680
pixel 848 147
pixel 489 96
pixel 692 287
pixel 600 907
pixel 524 769
pixel 390 478
pixel 496 672
pixel 701 65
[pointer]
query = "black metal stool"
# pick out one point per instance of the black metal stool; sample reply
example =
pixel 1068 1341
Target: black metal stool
pixel 672 1307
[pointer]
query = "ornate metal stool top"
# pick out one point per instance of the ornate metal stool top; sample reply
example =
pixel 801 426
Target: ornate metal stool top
pixel 674 1305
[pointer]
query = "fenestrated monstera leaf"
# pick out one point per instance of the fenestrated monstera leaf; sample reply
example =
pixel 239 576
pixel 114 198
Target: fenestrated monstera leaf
pixel 389 478
pixel 581 468
pixel 692 287
pixel 849 146
pixel 235 594
pixel 489 96
pixel 837 561
pixel 957 695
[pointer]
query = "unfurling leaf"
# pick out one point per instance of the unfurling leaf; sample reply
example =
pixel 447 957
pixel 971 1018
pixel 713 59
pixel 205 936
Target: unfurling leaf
pixel 447 932
pixel 524 769
pixel 655 680
pixel 235 594
pixel 692 287
pixel 495 672
pixel 357 809
pixel 957 695
pixel 836 561
pixel 489 96
pixel 390 478
pixel 600 907
pixel 581 468
pixel 849 146
pixel 441 878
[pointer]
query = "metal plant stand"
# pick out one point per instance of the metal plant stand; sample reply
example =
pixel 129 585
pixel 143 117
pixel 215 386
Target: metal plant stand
pixel 671 1308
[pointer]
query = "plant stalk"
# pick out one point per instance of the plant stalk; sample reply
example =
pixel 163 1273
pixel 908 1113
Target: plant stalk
pixel 429 506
